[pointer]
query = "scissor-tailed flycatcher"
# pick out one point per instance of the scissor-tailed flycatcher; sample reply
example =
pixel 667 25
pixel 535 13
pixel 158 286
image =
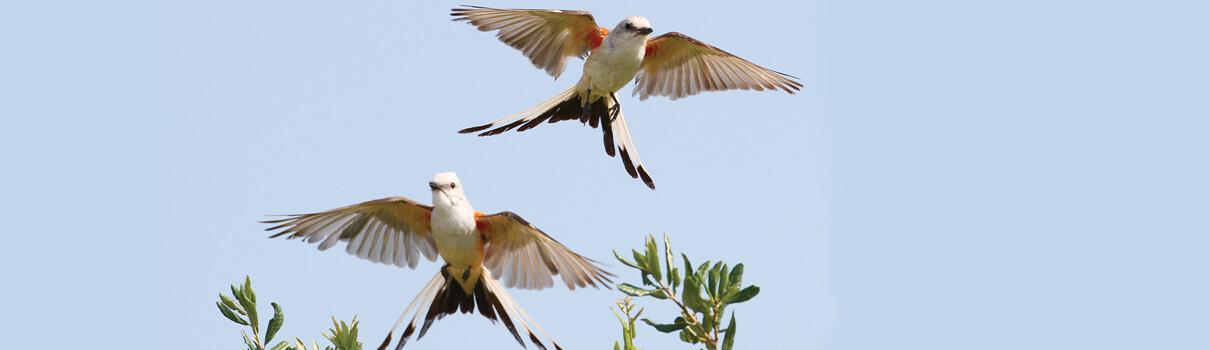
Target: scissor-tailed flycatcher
pixel 672 65
pixel 475 247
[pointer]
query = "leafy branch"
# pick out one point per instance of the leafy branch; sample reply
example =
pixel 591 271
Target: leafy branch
pixel 701 317
pixel 344 336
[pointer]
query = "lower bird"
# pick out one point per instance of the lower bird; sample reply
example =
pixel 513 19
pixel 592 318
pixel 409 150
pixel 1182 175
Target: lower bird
pixel 477 249
pixel 672 65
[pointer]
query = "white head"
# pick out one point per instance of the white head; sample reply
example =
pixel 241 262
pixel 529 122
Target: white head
pixel 447 190
pixel 632 26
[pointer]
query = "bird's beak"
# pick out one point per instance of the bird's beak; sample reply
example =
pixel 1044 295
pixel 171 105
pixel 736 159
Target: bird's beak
pixel 647 30
pixel 436 186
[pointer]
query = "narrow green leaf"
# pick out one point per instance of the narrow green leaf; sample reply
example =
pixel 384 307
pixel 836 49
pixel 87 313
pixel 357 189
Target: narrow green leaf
pixel 692 295
pixel 687 336
pixel 616 346
pixel 677 325
pixel 724 281
pixel 669 261
pixel 653 259
pixel 274 323
pixel 674 278
pixel 248 287
pixel 231 315
pixel 701 271
pixel 742 296
pixel 737 275
pixel 729 338
pixel 639 260
pixel 712 280
pixel 251 344
pixel 249 305
pixel 624 261
pixel 231 304
pixel 634 291
pixel 688 266
pixel 280 346
pixel 620 319
pixel 659 294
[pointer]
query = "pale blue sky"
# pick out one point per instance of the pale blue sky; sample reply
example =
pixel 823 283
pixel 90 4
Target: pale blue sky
pixel 954 175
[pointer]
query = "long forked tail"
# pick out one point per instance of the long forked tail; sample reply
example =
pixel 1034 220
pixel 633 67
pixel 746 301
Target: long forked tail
pixel 443 296
pixel 566 105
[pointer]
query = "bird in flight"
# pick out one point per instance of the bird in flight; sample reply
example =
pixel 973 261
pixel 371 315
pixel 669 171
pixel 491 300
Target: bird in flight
pixel 477 249
pixel 672 65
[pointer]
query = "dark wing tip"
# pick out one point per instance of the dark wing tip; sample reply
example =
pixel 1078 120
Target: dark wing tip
pixel 385 342
pixel 646 177
pixel 628 164
pixel 534 338
pixel 474 129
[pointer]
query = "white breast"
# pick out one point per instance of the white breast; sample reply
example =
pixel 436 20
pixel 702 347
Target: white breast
pixel 613 64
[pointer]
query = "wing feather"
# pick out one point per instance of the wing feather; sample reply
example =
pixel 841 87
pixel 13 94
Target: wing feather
pixel 678 66
pixel 393 231
pixel 522 256
pixel 547 37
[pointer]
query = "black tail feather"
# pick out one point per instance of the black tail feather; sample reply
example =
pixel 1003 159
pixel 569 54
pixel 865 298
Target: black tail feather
pixel 385 342
pixel 451 299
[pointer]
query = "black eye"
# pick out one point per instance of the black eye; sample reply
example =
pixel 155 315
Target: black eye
pixel 453 185
pixel 628 26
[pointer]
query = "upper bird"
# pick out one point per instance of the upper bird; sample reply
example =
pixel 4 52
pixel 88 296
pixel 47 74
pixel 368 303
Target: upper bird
pixel 475 247
pixel 672 65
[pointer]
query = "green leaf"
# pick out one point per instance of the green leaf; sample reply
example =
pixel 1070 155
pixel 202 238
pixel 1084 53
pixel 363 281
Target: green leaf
pixel 344 336
pixel 635 291
pixel 251 344
pixel 659 294
pixel 248 288
pixel 274 323
pixel 724 281
pixel 245 300
pixel 688 266
pixel 616 346
pixel 729 338
pixel 712 280
pixel 669 262
pixel 231 304
pixel 742 296
pixel 280 346
pixel 653 260
pixel 231 315
pixel 686 336
pixel 624 261
pixel 692 295
pixel 701 272
pixel 737 275
pixel 674 279
pixel 676 325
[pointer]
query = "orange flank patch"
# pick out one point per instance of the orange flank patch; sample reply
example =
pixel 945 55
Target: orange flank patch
pixel 480 225
pixel 650 50
pixel 594 39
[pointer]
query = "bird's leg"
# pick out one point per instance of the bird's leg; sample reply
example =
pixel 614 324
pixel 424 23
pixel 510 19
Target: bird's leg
pixel 587 110
pixel 616 109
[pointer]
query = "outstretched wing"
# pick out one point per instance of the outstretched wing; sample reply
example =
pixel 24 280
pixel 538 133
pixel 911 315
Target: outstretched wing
pixel 392 231
pixel 547 37
pixel 522 256
pixel 678 66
